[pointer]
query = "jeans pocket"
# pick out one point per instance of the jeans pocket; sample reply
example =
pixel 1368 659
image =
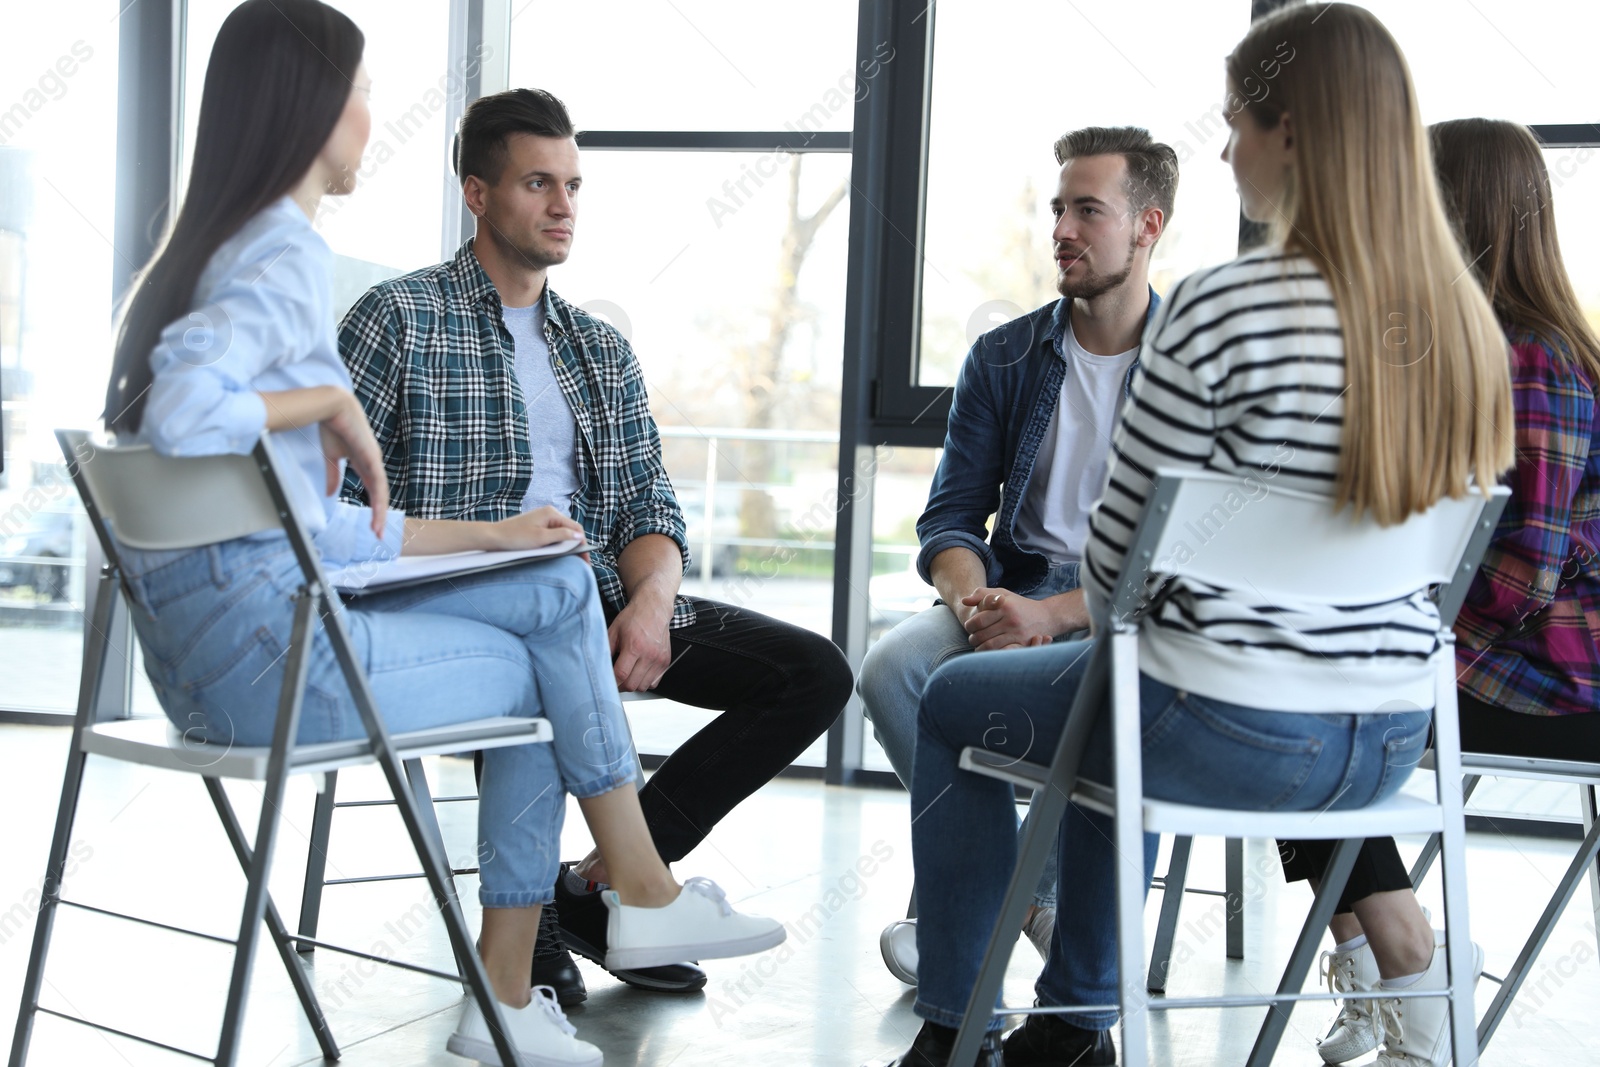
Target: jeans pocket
pixel 1403 746
pixel 1226 757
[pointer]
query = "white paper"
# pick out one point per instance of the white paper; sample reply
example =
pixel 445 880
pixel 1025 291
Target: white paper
pixel 368 577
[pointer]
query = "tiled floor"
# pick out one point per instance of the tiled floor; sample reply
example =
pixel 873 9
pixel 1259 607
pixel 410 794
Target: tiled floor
pixel 148 843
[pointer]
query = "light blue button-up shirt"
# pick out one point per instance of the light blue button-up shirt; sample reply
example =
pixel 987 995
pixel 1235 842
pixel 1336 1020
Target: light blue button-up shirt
pixel 262 321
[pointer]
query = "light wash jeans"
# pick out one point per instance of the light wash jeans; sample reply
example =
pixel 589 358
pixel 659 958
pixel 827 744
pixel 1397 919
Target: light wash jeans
pixel 1196 751
pixel 525 641
pixel 896 671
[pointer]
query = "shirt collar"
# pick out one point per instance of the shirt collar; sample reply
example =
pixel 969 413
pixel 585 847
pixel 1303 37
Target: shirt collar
pixel 472 282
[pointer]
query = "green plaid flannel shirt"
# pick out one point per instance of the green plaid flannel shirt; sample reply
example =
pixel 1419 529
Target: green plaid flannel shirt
pixel 431 360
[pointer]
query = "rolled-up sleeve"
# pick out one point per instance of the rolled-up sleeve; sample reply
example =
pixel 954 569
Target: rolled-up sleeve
pixel 202 400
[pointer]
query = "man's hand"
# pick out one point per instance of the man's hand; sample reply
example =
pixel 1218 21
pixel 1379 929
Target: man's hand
pixel 640 647
pixel 999 618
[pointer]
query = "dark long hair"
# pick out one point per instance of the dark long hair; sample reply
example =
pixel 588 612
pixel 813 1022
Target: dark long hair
pixel 280 74
pixel 1497 191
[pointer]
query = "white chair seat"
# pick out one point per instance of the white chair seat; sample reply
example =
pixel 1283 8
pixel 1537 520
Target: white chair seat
pixel 1400 814
pixel 158 743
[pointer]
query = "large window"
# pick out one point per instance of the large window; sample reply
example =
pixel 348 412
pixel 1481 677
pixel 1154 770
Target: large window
pixel 991 169
pixel 392 223
pixel 726 270
pixel 58 92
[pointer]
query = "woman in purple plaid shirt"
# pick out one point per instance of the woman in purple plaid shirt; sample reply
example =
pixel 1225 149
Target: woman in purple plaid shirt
pixel 1528 636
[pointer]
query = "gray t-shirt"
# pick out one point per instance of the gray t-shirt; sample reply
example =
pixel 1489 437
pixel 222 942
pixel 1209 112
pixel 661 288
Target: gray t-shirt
pixel 552 431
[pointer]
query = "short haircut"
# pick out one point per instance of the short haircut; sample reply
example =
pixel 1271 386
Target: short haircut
pixel 1152 179
pixel 481 142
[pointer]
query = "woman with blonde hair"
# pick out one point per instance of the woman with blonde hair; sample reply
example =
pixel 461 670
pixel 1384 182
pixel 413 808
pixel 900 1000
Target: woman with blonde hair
pixel 1528 636
pixel 1283 364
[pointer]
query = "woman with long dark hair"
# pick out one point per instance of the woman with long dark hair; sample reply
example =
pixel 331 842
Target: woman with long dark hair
pixel 229 335
pixel 1528 636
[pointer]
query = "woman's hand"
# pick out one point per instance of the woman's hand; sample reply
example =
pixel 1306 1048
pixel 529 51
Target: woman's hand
pixel 347 435
pixel 536 528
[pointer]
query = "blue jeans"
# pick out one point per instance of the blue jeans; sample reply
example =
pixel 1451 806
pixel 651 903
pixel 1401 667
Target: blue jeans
pixel 1196 751
pixel 524 641
pixel 896 671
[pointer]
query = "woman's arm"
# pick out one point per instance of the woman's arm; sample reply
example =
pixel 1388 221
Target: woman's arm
pixel 346 435
pixel 533 529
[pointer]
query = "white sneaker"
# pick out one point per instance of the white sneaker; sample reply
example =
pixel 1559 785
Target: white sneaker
pixel 540 1032
pixel 1416 1032
pixel 1040 929
pixel 898 943
pixel 699 925
pixel 1355 1030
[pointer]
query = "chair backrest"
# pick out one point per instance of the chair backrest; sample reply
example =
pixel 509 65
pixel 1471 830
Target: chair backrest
pixel 158 502
pixel 1239 533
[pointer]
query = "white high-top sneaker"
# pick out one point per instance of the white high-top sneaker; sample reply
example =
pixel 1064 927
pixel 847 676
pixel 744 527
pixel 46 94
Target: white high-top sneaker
pixel 539 1030
pixel 1355 1030
pixel 1416 1032
pixel 898 945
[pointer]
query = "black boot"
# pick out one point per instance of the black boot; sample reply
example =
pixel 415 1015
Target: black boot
pixel 1051 1041
pixel 553 965
pixel 932 1049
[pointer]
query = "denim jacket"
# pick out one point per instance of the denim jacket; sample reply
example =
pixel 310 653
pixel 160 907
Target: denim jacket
pixel 1004 399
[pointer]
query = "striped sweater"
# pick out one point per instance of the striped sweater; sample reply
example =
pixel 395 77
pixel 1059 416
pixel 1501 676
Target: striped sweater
pixel 1242 372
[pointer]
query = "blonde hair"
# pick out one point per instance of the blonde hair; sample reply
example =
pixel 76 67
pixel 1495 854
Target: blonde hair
pixel 1428 404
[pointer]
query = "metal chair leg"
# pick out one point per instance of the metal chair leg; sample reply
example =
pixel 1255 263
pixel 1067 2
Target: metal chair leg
pixel 1581 863
pixel 1171 902
pixel 90 681
pixel 417 776
pixel 911 905
pixel 1591 816
pixel 1332 885
pixel 260 868
pixel 1233 918
pixel 317 863
pixel 280 933
pixel 1430 850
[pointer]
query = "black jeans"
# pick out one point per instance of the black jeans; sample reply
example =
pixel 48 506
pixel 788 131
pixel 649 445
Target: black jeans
pixel 1484 728
pixel 779 687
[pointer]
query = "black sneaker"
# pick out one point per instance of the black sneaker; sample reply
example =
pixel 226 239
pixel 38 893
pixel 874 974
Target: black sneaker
pixel 583 919
pixel 553 965
pixel 932 1049
pixel 1051 1041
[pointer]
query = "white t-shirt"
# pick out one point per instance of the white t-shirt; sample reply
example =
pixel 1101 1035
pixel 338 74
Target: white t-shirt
pixel 1069 472
pixel 552 430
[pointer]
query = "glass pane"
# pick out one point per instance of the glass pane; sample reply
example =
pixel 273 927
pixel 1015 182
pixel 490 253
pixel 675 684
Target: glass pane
pixel 1575 177
pixel 58 85
pixel 1524 60
pixel 392 224
pixel 738 322
pixel 896 590
pixel 692 64
pixel 988 255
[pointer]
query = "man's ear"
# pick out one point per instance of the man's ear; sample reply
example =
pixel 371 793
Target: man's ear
pixel 1152 220
pixel 473 191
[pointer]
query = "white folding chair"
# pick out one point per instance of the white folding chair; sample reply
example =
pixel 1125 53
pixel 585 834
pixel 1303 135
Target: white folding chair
pixel 154 502
pixel 1585 775
pixel 1331 558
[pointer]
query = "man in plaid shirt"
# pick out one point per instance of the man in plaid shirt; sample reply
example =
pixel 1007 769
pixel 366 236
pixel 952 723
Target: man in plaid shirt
pixel 490 395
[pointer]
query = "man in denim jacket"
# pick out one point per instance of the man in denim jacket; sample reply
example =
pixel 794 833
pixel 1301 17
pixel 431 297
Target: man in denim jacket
pixel 1029 434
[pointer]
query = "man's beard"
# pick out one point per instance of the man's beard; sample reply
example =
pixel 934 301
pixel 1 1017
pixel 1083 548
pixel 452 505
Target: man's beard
pixel 1097 284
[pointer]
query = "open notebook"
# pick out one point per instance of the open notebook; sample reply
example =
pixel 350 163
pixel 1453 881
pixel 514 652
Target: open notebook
pixel 359 578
